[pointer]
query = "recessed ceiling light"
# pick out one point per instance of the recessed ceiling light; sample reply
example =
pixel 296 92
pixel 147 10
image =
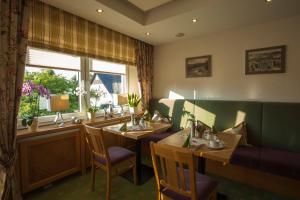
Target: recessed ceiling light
pixel 99 10
pixel 268 1
pixel 179 35
pixel 148 33
pixel 194 20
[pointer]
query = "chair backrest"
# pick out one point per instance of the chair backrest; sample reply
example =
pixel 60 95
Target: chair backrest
pixel 174 169
pixel 94 138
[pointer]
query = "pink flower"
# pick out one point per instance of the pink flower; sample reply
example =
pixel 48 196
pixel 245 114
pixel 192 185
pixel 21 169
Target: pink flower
pixel 43 92
pixel 28 88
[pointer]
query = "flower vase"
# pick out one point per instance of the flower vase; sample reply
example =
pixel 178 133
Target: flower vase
pixel 133 110
pixel 34 125
pixel 92 116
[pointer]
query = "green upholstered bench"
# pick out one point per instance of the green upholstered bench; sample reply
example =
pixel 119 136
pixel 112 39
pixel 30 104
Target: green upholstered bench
pixel 273 129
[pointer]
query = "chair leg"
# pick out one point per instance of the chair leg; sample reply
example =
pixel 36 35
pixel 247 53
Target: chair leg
pixel 214 195
pixel 158 196
pixel 93 177
pixel 134 175
pixel 108 184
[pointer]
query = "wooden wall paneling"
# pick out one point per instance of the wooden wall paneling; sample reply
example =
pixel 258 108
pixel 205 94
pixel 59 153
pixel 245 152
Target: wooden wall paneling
pixel 46 158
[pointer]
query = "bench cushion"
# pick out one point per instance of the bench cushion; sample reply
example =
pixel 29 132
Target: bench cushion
pixel 157 137
pixel 280 126
pixel 246 157
pixel 279 162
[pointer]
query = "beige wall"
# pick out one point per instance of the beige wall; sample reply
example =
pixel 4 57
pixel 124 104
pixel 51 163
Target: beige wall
pixel 132 80
pixel 228 79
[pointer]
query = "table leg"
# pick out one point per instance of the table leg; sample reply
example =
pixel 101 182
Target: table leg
pixel 138 154
pixel 202 170
pixel 201 165
pixel 143 172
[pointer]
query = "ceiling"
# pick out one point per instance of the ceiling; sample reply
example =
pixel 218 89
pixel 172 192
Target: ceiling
pixel 146 5
pixel 166 18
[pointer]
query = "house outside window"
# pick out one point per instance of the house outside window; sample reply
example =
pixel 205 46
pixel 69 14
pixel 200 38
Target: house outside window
pixel 109 78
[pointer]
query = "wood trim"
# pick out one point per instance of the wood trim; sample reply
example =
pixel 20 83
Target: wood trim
pixel 256 178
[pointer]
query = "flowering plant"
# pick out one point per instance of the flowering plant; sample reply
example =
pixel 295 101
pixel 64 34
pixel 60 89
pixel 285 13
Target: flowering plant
pixel 33 92
pixel 96 94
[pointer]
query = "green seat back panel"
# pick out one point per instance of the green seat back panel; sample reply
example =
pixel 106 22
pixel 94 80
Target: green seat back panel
pixel 221 114
pixel 281 126
pixel 173 109
pixel 227 114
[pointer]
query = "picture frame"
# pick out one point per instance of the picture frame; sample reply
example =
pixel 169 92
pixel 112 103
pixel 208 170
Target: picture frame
pixel 198 66
pixel 266 60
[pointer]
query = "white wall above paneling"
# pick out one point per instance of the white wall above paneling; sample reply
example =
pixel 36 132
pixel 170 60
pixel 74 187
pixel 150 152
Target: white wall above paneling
pixel 228 80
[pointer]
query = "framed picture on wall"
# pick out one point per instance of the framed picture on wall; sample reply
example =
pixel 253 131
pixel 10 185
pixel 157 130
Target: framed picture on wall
pixel 266 60
pixel 198 66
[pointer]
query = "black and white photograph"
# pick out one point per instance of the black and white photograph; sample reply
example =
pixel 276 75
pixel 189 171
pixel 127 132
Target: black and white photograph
pixel 266 60
pixel 198 66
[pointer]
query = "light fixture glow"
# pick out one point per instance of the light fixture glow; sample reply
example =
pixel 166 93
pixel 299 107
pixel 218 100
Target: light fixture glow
pixel 99 10
pixel 268 1
pixel 194 20
pixel 148 33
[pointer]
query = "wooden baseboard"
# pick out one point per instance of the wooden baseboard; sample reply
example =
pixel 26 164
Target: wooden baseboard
pixel 273 183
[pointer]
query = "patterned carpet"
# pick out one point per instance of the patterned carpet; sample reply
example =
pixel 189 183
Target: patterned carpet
pixel 77 187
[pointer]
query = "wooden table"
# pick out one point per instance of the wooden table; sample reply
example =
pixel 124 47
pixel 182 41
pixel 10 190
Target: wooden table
pixel 156 128
pixel 231 141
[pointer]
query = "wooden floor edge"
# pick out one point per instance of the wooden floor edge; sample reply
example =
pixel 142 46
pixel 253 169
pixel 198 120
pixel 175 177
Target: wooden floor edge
pixel 273 183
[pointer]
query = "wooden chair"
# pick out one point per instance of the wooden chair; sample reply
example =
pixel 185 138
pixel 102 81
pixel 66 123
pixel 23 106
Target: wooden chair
pixel 175 175
pixel 114 160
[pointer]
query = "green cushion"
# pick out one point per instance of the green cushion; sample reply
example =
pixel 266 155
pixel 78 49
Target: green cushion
pixel 227 114
pixel 173 109
pixel 281 127
pixel 221 114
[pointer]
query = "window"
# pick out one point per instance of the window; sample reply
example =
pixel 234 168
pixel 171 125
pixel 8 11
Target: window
pixel 58 72
pixel 110 78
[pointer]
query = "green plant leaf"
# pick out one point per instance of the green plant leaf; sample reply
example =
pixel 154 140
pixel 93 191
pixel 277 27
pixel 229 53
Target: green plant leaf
pixel 24 122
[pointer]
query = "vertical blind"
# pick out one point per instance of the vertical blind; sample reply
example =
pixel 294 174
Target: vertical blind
pixel 56 29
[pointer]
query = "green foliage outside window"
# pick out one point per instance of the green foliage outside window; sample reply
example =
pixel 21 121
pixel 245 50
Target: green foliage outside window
pixel 56 84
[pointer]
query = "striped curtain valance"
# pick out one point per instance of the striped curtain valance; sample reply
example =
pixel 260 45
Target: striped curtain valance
pixel 58 30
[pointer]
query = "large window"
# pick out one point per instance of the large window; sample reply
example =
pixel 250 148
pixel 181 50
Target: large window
pixel 60 73
pixel 110 78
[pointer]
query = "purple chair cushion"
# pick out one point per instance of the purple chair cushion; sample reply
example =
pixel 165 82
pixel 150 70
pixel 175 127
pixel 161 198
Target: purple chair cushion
pixel 116 155
pixel 246 157
pixel 280 162
pixel 204 186
pixel 157 137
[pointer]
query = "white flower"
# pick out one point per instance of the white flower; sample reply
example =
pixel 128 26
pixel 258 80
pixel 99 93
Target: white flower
pixel 79 91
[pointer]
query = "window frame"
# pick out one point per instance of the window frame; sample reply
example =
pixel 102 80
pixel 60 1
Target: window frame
pixel 84 78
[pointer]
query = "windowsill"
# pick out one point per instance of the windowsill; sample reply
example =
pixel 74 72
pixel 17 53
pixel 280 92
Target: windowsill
pixel 49 120
pixel 54 128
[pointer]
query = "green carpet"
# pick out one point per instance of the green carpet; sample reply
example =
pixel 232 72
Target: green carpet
pixel 78 187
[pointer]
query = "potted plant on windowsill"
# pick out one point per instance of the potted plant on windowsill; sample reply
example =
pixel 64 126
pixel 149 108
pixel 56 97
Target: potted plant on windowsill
pixel 32 93
pixel 133 102
pixel 95 95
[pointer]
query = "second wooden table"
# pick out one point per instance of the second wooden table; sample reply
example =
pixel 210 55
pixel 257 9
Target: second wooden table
pixel 155 128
